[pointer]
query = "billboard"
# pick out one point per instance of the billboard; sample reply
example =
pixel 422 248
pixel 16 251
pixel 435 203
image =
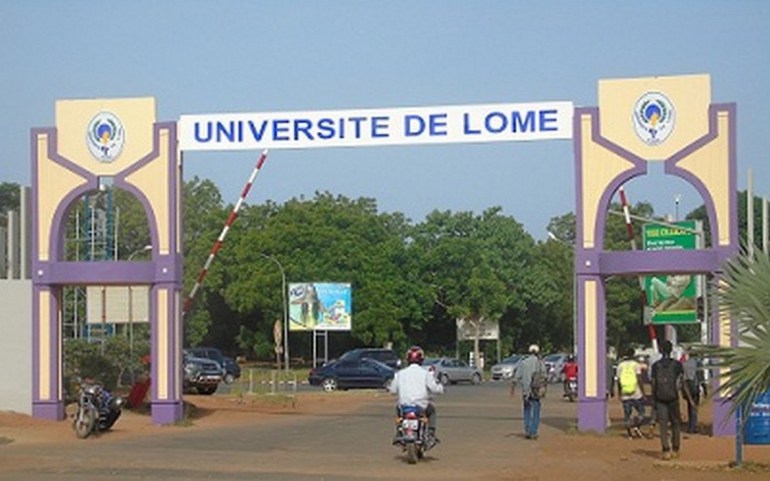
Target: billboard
pixel 487 330
pixel 319 306
pixel 672 299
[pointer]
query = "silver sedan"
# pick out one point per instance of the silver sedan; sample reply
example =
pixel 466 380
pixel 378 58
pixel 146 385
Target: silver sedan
pixel 449 370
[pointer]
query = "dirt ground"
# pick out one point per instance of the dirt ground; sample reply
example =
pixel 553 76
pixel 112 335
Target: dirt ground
pixel 703 457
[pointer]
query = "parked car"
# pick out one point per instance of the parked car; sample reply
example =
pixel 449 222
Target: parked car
pixel 231 369
pixel 348 373
pixel 553 364
pixel 505 369
pixel 200 375
pixel 385 356
pixel 450 370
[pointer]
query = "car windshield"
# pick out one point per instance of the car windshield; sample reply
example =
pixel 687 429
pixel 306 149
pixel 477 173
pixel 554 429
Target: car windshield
pixel 430 361
pixel 380 366
pixel 350 355
pixel 553 357
pixel 511 360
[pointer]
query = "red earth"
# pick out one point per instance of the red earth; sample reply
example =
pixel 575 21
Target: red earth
pixel 559 455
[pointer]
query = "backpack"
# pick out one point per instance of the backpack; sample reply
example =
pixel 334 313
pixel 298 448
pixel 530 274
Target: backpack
pixel 666 374
pixel 539 384
pixel 627 378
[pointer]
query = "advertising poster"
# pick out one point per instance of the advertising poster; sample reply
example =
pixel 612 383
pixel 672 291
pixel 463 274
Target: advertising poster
pixel 486 329
pixel 319 306
pixel 672 299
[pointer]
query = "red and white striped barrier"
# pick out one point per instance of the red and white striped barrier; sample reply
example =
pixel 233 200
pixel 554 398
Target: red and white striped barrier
pixel 632 239
pixel 218 244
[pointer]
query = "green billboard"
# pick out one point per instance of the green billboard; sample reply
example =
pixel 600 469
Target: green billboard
pixel 672 298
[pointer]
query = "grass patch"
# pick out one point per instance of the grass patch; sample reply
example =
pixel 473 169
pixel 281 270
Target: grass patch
pixel 750 467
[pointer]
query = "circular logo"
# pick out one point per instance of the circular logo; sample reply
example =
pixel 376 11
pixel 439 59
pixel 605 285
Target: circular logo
pixel 654 118
pixel 105 136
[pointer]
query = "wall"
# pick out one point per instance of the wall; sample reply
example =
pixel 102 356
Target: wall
pixel 16 346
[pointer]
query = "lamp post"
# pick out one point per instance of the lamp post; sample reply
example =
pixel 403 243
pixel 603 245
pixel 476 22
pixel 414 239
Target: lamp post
pixel 553 237
pixel 131 310
pixel 285 311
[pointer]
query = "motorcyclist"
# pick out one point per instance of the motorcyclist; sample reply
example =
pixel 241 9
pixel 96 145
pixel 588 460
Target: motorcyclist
pixel 570 371
pixel 414 386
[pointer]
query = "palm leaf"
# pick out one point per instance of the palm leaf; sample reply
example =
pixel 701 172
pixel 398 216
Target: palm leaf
pixel 744 296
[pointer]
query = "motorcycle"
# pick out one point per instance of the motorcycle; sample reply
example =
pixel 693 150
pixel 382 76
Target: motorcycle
pixel 97 410
pixel 412 433
pixel 570 389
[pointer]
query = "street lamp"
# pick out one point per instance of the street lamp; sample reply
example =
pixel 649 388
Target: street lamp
pixel 131 310
pixel 553 237
pixel 285 310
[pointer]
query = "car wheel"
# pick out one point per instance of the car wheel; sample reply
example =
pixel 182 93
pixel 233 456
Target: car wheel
pixel 444 378
pixel 229 378
pixel 329 384
pixel 476 379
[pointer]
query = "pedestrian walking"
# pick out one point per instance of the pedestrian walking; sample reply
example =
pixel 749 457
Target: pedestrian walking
pixel 532 380
pixel 690 368
pixel 629 375
pixel 667 381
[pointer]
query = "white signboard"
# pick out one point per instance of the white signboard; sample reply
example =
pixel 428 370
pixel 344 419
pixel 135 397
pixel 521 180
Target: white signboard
pixel 488 330
pixel 371 127
pixel 111 304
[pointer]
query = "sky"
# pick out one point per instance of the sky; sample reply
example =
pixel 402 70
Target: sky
pixel 209 57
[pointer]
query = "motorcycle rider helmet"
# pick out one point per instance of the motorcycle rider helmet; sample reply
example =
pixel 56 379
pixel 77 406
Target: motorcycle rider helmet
pixel 415 355
pixel 571 358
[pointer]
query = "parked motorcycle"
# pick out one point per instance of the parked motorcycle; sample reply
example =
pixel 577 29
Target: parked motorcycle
pixel 412 433
pixel 570 389
pixel 97 410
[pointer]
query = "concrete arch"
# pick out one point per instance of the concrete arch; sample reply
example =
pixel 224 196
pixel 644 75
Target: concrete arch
pixel 63 169
pixel 703 156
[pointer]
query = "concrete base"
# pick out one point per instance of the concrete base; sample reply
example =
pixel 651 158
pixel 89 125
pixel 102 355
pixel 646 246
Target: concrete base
pixel 592 415
pixel 167 412
pixel 53 410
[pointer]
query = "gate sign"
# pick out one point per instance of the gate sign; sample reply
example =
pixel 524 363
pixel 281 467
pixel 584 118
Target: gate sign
pixel 371 127
pixel 673 297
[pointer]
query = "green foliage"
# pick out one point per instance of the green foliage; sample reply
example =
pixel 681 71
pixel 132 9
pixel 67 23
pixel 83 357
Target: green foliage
pixel 134 231
pixel 107 364
pixel 9 199
pixel 744 297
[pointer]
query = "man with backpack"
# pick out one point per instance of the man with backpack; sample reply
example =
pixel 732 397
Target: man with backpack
pixel 667 380
pixel 531 375
pixel 629 375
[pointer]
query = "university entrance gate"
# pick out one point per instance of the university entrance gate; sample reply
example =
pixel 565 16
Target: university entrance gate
pixel 119 141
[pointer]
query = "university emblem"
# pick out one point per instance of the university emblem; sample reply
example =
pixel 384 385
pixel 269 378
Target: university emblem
pixel 654 118
pixel 105 136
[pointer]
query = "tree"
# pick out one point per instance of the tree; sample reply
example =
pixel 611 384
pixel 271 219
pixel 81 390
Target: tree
pixel 475 267
pixel 133 227
pixel 328 239
pixel 204 217
pixel 700 214
pixel 9 200
pixel 744 297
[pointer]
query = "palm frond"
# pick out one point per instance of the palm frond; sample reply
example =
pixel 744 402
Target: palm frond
pixel 744 296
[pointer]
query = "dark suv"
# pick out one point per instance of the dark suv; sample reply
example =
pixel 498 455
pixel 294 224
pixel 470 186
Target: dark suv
pixel 232 370
pixel 385 356
pixel 200 374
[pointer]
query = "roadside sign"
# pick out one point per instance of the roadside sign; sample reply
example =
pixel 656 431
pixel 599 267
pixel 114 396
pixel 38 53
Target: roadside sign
pixel 672 298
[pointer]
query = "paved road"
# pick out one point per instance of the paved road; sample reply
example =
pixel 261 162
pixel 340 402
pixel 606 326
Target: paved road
pixel 480 426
